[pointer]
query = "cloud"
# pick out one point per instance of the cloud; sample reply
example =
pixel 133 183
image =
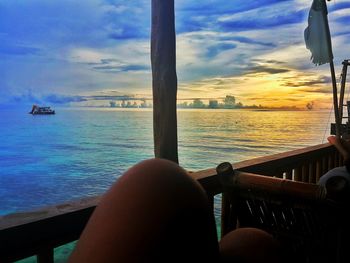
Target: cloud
pixel 266 69
pixel 129 57
pixel 78 47
pixel 219 7
pixel 343 19
pixel 115 66
pixel 18 50
pixel 312 81
pixel 58 24
pixel 50 23
pixel 29 98
pixel 204 15
pixel 116 97
pixel 116 69
pixel 129 30
pixel 246 40
pixel 125 20
pixel 259 19
pixel 62 99
pixel 216 49
pixel 321 90
pixel 209 54
pixel 245 15
pixel 270 61
pixel 339 6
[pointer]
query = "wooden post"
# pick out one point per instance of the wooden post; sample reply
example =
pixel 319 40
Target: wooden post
pixel 335 100
pixel 164 79
pixel 342 88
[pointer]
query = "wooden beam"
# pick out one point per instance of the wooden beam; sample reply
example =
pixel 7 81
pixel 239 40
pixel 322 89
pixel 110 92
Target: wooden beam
pixel 164 79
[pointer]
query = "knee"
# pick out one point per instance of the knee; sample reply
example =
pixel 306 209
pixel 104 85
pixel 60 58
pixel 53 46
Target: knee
pixel 153 205
pixel 159 178
pixel 250 245
pixel 154 170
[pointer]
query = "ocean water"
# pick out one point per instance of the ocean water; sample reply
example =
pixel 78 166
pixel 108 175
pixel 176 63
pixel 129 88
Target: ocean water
pixel 80 152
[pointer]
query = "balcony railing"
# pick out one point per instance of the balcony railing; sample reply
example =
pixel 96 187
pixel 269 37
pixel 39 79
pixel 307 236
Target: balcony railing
pixel 39 232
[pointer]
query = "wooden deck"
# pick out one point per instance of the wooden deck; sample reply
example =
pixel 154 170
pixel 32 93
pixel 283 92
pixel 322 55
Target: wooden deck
pixel 39 232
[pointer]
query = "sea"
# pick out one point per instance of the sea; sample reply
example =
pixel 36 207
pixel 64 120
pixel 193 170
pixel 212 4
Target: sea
pixel 80 152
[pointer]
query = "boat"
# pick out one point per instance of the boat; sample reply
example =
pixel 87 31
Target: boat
pixel 36 110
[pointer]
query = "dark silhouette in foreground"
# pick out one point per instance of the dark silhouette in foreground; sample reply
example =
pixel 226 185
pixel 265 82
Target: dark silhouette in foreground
pixel 157 213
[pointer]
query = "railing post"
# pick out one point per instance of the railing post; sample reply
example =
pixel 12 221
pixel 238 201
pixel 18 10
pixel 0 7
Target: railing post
pixel 324 164
pixel 318 170
pixel 312 172
pixel 297 174
pixel 305 173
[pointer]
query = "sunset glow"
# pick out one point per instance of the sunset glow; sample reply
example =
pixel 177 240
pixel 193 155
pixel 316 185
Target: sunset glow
pixel 254 50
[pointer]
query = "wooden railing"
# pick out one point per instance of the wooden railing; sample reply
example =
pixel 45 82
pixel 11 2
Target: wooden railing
pixel 39 232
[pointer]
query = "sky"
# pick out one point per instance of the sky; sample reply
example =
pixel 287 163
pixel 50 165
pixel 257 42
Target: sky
pixel 87 52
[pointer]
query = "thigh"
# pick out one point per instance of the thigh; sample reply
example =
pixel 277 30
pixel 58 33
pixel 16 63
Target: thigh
pixel 154 213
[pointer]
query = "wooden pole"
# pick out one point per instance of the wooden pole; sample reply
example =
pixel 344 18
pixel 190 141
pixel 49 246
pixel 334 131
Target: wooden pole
pixel 335 100
pixel 342 88
pixel 164 79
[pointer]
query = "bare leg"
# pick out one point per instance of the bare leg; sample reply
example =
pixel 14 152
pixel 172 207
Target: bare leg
pixel 154 213
pixel 250 245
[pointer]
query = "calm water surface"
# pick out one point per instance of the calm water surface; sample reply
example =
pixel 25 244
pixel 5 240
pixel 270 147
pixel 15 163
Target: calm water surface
pixel 80 152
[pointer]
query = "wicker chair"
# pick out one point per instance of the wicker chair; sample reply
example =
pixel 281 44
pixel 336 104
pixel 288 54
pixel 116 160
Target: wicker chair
pixel 310 225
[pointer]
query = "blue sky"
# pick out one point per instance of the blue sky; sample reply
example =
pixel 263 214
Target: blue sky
pixel 70 50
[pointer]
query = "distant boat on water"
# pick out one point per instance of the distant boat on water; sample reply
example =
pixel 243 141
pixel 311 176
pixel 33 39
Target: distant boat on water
pixel 36 110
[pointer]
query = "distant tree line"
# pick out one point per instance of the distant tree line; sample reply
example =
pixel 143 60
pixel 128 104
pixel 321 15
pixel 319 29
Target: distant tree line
pixel 229 102
pixel 129 104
